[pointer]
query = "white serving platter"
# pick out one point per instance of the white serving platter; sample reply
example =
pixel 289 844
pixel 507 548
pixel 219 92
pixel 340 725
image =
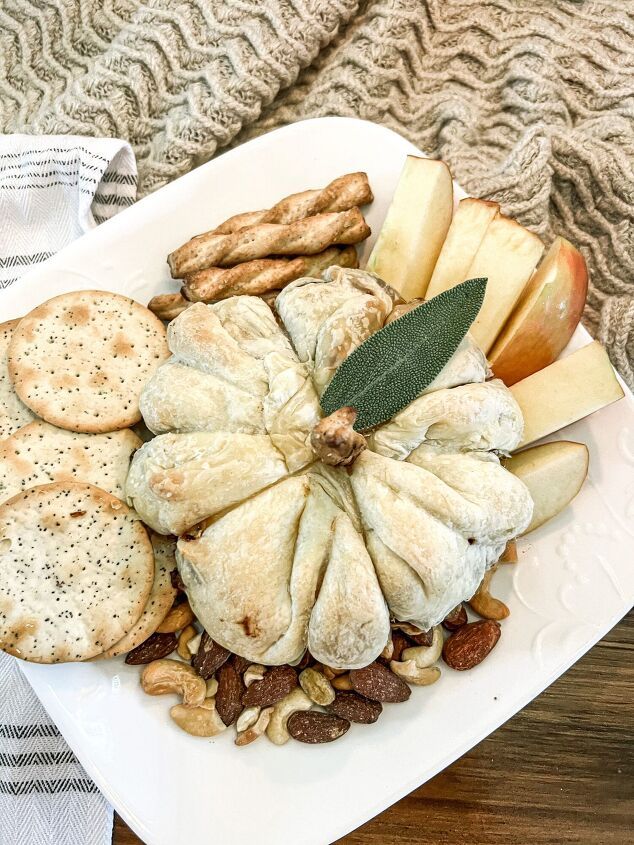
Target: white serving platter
pixel 574 581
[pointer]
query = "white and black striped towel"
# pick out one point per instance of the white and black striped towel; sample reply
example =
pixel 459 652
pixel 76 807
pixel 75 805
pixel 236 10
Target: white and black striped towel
pixel 52 190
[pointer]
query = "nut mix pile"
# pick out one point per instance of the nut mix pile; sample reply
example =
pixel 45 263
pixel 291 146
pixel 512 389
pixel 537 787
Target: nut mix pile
pixel 310 702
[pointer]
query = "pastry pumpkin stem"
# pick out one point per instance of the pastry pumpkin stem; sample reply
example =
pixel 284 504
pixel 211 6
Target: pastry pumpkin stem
pixel 334 440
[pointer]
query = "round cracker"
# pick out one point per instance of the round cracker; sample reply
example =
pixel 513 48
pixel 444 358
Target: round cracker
pixel 76 569
pixel 160 601
pixel 13 413
pixel 81 359
pixel 40 453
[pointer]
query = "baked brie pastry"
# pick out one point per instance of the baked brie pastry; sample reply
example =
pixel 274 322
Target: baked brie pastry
pixel 280 552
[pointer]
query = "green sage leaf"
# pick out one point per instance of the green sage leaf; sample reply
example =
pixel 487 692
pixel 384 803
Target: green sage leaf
pixel 391 368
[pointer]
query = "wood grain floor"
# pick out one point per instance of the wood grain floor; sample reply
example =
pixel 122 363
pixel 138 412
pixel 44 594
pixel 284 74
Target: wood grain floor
pixel 561 771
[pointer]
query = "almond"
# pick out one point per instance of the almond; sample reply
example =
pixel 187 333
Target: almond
pixel 415 634
pixel 229 693
pixel 400 642
pixel 471 644
pixel 278 682
pixel 379 684
pixel 456 619
pixel 313 727
pixel 209 657
pixel 240 664
pixel 425 638
pixel 155 647
pixel 355 708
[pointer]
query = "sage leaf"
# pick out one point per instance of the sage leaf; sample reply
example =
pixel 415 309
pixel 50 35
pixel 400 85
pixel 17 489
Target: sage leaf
pixel 391 368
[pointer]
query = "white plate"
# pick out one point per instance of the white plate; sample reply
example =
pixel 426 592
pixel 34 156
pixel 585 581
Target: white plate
pixel 574 581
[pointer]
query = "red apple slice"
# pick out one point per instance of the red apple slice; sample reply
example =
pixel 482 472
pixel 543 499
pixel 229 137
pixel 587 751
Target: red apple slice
pixel 566 391
pixel 463 240
pixel 546 316
pixel 415 227
pixel 507 256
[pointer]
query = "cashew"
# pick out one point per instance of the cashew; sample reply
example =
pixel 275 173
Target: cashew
pixel 255 672
pixel 256 730
pixel 164 676
pixel 410 672
pixel 179 617
pixel 331 673
pixel 425 656
pixel 247 718
pixel 509 555
pixel 388 651
pixel 212 687
pixel 198 721
pixel 294 701
pixel 317 687
pixel 194 644
pixel 342 682
pixel 186 635
pixel 486 605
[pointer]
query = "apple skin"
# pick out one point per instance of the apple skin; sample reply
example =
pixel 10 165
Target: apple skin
pixel 546 316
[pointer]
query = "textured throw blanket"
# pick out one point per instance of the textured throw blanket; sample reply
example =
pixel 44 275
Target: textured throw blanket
pixel 530 101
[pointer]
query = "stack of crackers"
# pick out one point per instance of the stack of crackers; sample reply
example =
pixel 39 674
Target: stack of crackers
pixel 79 574
pixel 259 252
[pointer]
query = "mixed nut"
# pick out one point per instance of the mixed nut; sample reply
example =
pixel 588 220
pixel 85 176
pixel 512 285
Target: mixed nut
pixel 310 702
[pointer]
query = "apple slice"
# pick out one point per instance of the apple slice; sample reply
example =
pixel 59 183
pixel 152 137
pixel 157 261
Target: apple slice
pixel 415 227
pixel 566 391
pixel 553 473
pixel 464 237
pixel 545 317
pixel 507 256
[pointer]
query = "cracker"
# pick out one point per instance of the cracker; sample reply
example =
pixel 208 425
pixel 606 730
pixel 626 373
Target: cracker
pixel 76 569
pixel 81 359
pixel 40 453
pixel 160 601
pixel 13 413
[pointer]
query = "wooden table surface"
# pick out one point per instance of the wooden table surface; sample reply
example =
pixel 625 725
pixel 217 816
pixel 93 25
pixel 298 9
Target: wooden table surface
pixel 560 771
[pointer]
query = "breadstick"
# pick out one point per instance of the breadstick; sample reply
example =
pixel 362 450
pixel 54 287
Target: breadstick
pixel 252 277
pixel 303 237
pixel 166 306
pixel 340 195
pixel 262 274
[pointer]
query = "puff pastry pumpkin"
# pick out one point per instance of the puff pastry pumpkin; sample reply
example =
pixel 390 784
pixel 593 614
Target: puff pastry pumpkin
pixel 279 551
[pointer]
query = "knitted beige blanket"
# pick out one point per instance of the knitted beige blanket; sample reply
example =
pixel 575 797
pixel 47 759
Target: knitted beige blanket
pixel 530 101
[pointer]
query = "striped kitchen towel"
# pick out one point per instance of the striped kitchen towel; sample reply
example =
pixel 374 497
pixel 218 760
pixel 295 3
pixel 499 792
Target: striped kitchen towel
pixel 46 798
pixel 52 190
